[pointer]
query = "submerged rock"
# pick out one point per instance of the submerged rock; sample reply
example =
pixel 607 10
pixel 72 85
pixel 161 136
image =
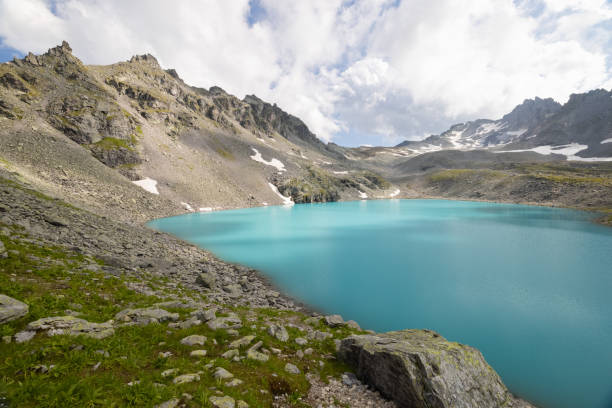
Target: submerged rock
pixel 71 326
pixel 421 369
pixel 11 309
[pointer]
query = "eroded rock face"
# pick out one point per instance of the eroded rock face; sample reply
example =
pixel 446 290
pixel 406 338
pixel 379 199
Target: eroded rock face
pixel 11 309
pixel 421 369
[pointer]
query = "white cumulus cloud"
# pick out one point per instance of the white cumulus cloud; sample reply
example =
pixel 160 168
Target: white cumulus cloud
pixel 362 71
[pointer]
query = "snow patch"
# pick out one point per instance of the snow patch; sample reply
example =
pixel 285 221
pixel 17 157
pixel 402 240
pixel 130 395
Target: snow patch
pixel 362 194
pixel 148 184
pixel 287 201
pixel 187 206
pixel 568 150
pixel 606 141
pixel 395 193
pixel 274 162
pixel 340 172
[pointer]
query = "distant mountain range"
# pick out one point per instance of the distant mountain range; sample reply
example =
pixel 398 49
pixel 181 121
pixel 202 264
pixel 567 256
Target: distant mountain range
pixel 582 127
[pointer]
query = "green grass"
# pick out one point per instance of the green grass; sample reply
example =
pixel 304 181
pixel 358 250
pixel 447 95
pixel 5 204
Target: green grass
pixel 51 279
pixel 112 143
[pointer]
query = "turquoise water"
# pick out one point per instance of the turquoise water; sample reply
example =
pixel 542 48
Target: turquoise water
pixel 531 287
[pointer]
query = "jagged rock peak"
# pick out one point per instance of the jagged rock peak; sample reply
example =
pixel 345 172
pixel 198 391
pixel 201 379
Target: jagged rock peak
pixel 215 90
pixel 147 59
pixel 60 50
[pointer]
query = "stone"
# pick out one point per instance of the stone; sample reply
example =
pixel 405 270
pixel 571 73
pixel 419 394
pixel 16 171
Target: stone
pixel 169 372
pixel 320 335
pixel 222 402
pixel 145 316
pixel 194 340
pixel 313 321
pixel 198 353
pixel 257 356
pixel 279 332
pixel 72 326
pixel 334 320
pixel 206 279
pixel 349 379
pixel 244 341
pixel 229 322
pixel 11 309
pixel 186 378
pixel 192 321
pixel 301 341
pixel 353 325
pixel 241 404
pixel 204 315
pixel 173 403
pixel 164 354
pixel 56 221
pixel 230 354
pixel 222 374
pixel 421 369
pixel 292 368
pixel 234 383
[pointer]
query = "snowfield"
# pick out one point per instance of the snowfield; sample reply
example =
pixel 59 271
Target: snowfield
pixel 274 162
pixel 148 184
pixel 287 201
pixel 568 150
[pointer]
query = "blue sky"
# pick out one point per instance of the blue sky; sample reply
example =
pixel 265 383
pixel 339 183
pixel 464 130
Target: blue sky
pixel 356 71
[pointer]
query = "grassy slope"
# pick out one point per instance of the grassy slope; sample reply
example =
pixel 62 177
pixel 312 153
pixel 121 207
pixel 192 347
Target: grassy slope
pixel 52 279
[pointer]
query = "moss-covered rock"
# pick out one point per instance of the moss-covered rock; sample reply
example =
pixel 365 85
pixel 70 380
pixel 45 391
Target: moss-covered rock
pixel 421 369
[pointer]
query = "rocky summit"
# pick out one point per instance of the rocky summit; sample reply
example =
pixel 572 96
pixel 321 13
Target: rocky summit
pixel 98 309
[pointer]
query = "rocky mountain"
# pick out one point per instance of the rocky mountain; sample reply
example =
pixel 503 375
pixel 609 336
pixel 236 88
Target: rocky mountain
pixel 583 125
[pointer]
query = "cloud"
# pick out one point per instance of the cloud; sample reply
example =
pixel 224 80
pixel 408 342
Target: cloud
pixel 359 71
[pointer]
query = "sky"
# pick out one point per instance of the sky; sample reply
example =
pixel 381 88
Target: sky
pixel 357 72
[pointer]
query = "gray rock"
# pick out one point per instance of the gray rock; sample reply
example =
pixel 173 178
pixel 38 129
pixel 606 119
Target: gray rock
pixel 186 378
pixel 233 290
pixel 229 322
pixel 234 383
pixel 279 332
pixel 244 341
pixel 320 335
pixel 222 402
pixel 56 221
pixel 72 326
pixel 301 341
pixel 169 372
pixel 173 403
pixel 206 279
pixel 192 321
pixel 230 354
pixel 353 325
pixel 421 369
pixel 198 353
pixel 242 404
pixel 11 309
pixel 145 316
pixel 257 356
pixel 334 320
pixel 222 374
pixel 194 340
pixel 349 379
pixel 313 321
pixel 24 336
pixel 291 368
pixel 204 315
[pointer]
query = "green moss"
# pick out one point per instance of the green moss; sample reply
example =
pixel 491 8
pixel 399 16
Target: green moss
pixel 112 143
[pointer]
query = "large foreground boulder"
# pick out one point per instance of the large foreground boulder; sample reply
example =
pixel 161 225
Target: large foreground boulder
pixel 71 326
pixel 11 309
pixel 421 369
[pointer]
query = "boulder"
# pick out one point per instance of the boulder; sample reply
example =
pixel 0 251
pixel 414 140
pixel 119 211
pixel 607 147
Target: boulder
pixel 229 322
pixel 292 368
pixel 145 316
pixel 194 340
pixel 334 320
pixel 279 332
pixel 71 326
pixel 186 378
pixel 11 309
pixel 206 279
pixel 421 369
pixel 222 402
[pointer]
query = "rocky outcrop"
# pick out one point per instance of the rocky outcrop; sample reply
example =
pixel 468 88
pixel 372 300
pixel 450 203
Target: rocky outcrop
pixel 71 326
pixel 11 309
pixel 421 369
